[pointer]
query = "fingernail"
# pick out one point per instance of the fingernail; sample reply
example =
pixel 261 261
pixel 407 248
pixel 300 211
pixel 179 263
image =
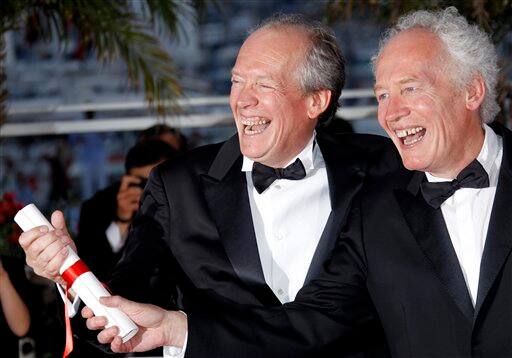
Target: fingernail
pixel 43 229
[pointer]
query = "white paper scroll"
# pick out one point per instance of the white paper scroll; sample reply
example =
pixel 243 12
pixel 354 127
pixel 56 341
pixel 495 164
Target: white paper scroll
pixel 86 286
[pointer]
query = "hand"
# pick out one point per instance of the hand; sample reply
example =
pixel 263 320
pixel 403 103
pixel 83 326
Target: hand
pixel 157 327
pixel 46 251
pixel 128 197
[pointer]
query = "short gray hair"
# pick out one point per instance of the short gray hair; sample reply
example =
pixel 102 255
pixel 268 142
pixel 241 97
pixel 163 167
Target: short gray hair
pixel 469 47
pixel 323 66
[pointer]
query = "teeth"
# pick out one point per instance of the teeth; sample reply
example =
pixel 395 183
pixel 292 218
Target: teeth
pixel 254 122
pixel 250 131
pixel 410 131
pixel 408 141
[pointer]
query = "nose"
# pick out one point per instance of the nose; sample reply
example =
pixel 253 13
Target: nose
pixel 246 97
pixel 395 108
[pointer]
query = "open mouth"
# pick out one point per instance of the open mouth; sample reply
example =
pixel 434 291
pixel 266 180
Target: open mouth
pixel 410 136
pixel 255 125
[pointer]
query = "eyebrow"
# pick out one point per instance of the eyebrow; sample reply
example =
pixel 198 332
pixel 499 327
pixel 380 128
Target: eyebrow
pixel 402 81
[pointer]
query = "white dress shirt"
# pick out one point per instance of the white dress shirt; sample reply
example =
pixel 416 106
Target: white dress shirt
pixel 468 211
pixel 289 218
pixel 114 237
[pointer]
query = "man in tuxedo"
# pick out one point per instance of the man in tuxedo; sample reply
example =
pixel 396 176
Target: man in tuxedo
pixel 247 222
pixel 428 247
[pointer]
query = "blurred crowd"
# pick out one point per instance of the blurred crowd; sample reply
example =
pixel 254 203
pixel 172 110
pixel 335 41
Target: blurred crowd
pixel 30 308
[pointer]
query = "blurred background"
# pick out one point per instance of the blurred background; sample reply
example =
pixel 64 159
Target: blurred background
pixel 80 80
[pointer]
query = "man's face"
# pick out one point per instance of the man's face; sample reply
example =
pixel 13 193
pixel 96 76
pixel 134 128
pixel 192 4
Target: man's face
pixel 270 110
pixel 420 108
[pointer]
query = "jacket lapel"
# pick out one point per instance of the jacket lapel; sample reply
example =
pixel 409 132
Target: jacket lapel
pixel 226 195
pixel 345 178
pixel 429 229
pixel 499 235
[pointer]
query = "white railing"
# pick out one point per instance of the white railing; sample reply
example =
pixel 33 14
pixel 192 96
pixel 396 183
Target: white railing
pixel 132 123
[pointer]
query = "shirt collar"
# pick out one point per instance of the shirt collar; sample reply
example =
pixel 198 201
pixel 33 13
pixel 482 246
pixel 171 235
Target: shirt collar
pixel 308 156
pixel 487 157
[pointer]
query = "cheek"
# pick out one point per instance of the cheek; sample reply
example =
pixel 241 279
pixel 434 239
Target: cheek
pixel 381 118
pixel 233 96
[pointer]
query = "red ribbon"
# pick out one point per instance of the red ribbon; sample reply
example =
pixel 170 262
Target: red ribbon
pixel 70 275
pixel 74 271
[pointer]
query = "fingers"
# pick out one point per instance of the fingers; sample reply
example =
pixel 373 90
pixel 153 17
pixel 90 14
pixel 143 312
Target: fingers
pixel 95 323
pixel 28 237
pixel 115 301
pixel 59 223
pixel 107 335
pixel 87 312
pixel 128 202
pixel 45 251
pixel 118 346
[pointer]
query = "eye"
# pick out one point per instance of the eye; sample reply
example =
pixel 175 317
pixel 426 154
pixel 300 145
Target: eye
pixel 409 89
pixel 236 81
pixel 382 96
pixel 266 86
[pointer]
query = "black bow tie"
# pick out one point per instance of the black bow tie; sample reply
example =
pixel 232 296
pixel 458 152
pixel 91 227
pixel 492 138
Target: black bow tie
pixel 472 176
pixel 263 176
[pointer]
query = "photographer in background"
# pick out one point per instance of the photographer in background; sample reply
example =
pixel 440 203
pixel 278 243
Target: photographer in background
pixel 167 134
pixel 106 217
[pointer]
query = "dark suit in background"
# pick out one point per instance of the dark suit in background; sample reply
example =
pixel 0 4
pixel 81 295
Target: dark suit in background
pixel 96 214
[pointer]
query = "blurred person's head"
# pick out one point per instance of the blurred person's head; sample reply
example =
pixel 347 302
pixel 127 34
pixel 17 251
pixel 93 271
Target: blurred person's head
pixel 435 85
pixel 287 79
pixel 167 134
pixel 145 155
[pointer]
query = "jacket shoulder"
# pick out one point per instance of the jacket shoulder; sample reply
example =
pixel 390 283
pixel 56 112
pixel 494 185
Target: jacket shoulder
pixel 196 161
pixel 377 153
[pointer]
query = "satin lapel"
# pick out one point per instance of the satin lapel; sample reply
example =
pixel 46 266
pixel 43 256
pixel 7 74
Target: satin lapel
pixel 429 230
pixel 499 235
pixel 226 195
pixel 345 178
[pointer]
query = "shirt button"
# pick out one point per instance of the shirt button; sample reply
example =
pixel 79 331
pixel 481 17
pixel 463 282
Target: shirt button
pixel 279 236
pixel 277 186
pixel 280 291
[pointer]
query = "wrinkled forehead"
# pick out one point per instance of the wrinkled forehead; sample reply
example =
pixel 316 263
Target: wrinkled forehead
pixel 275 47
pixel 416 49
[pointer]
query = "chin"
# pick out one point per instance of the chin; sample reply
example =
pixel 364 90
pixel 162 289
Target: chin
pixel 414 164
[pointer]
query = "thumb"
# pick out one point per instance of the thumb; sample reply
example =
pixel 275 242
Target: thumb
pixel 116 301
pixel 58 221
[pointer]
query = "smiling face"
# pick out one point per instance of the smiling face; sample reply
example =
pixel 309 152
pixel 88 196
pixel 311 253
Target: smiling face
pixel 274 119
pixel 434 125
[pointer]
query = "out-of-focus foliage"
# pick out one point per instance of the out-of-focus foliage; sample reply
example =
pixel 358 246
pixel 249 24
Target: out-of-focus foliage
pixel 114 29
pixel 494 16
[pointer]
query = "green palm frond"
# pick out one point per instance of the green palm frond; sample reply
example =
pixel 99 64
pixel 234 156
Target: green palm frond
pixel 114 29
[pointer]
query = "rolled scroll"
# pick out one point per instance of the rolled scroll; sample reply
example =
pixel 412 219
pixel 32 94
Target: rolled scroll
pixel 80 278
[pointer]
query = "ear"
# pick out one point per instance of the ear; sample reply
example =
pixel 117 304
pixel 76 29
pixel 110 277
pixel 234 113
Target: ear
pixel 475 93
pixel 318 102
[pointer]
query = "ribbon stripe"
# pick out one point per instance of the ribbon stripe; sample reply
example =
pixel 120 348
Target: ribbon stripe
pixel 70 275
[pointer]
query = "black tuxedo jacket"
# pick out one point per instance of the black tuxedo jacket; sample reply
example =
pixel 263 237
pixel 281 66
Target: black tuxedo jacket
pixel 394 256
pixel 192 245
pixel 96 214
